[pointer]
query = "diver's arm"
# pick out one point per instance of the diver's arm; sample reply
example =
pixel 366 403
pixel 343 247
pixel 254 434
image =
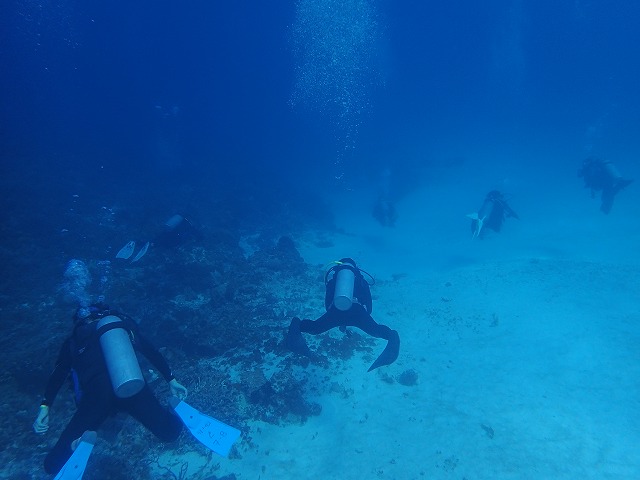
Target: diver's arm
pixel 364 294
pixel 145 347
pixel 59 375
pixel 157 360
pixel 329 293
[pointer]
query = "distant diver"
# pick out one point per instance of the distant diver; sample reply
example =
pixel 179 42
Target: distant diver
pixel 348 304
pixel 175 231
pixel 492 214
pixel 100 357
pixel 602 175
pixel 384 211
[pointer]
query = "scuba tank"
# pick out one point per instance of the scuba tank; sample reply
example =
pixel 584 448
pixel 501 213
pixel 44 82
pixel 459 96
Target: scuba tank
pixel 176 230
pixel 344 274
pixel 174 222
pixel 122 363
pixel 345 282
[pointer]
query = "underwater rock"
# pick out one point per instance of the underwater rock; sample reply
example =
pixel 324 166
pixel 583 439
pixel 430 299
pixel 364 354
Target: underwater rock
pixel 283 258
pixel 282 397
pixel 408 378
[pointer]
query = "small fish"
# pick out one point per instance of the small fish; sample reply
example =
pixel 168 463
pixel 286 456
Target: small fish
pixel 488 430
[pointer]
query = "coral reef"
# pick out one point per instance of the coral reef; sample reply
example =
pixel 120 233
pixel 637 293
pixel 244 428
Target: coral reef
pixel 217 315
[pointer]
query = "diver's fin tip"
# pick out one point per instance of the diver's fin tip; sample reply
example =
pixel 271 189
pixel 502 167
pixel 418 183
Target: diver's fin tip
pixel 213 434
pixel 389 354
pixel 77 463
pixel 126 251
pixel 141 253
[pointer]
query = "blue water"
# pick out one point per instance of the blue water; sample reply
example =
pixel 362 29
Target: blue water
pixel 267 118
pixel 156 88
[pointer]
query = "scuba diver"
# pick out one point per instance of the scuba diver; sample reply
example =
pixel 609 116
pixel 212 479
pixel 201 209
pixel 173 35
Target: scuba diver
pixel 492 214
pixel 177 230
pixel 602 175
pixel 348 304
pixel 384 211
pixel 99 356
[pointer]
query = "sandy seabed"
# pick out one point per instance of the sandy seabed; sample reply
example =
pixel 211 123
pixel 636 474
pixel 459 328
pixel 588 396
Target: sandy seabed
pixel 519 352
pixel 523 347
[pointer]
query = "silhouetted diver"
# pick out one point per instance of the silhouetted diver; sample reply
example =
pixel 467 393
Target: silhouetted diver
pixel 492 214
pixel 384 211
pixel 348 303
pixel 602 175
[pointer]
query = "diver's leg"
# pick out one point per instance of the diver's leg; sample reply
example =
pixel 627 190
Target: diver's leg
pixel 159 420
pixel 294 340
pixel 93 409
pixel 362 320
pixel 326 322
pixel 359 318
pixel 607 197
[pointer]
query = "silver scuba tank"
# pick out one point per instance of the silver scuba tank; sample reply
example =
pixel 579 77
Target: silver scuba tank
pixel 345 281
pixel 173 222
pixel 122 363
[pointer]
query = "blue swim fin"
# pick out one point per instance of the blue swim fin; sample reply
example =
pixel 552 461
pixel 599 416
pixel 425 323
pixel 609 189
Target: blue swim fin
pixel 75 466
pixel 212 433
pixel 141 253
pixel 126 251
pixel 476 224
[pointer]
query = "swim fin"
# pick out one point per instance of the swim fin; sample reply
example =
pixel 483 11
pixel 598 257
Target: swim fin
pixel 75 466
pixel 212 433
pixel 390 352
pixel 126 251
pixel 476 224
pixel 141 253
pixel 294 340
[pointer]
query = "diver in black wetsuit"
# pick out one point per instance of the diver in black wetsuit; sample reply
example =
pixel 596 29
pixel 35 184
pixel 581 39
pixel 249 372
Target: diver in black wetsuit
pixel 602 175
pixel 492 214
pixel 348 303
pixel 82 357
pixel 176 231
pixel 385 212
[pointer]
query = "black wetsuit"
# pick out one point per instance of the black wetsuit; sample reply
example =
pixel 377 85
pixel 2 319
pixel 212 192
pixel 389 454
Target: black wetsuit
pixel 493 213
pixel 81 354
pixel 359 316
pixel 178 234
pixel 385 212
pixel 602 176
